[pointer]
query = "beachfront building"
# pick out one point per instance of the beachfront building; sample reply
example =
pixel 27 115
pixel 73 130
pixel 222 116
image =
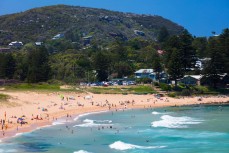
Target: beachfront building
pixel 145 73
pixel 150 74
pixel 191 79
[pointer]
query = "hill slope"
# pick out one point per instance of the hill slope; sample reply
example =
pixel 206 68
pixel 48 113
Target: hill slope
pixel 74 23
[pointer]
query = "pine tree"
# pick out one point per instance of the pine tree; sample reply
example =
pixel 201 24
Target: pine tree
pixel 175 67
pixel 215 66
pixel 38 68
pixel 101 63
pixel 188 52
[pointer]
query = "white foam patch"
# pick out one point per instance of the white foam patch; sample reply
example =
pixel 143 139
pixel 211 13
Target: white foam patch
pixel 81 151
pixel 60 122
pixel 157 113
pixel 86 114
pixel 175 122
pixel 119 145
pixel 18 134
pixel 94 123
pixel 8 151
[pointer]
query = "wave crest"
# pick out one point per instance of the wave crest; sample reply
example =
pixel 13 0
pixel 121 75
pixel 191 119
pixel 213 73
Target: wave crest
pixel 81 151
pixel 119 145
pixel 175 122
pixel 94 123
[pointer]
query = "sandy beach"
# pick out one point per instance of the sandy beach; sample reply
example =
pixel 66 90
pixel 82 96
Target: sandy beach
pixel 39 109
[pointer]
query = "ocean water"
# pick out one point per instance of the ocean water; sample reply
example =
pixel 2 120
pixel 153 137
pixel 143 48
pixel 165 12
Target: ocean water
pixel 200 129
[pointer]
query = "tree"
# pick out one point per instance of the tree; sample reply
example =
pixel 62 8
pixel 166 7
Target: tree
pixel 123 69
pixel 163 35
pixel 157 65
pixel 200 45
pixel 7 66
pixel 172 43
pixel 215 66
pixel 223 45
pixel 187 51
pixel 175 67
pixel 38 68
pixel 101 63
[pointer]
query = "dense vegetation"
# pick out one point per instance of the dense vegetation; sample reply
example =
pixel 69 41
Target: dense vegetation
pixel 35 64
pixel 63 60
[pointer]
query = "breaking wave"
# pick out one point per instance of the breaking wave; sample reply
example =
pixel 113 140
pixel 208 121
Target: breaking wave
pixel 94 123
pixel 175 122
pixel 119 145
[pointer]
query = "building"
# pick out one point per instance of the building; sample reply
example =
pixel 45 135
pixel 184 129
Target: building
pixel 87 40
pixel 38 43
pixel 144 73
pixel 191 79
pixel 138 32
pixel 58 36
pixel 16 44
pixel 149 73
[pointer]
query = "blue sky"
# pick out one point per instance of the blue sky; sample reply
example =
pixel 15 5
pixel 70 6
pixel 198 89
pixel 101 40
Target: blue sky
pixel 200 17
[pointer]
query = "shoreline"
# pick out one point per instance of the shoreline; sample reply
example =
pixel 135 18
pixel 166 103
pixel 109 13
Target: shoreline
pixel 105 103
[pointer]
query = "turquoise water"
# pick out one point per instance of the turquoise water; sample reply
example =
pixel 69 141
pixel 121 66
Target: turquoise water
pixel 202 129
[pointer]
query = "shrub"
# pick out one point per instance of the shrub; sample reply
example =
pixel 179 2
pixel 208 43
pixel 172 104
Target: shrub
pixel 165 87
pixel 172 94
pixel 156 84
pixel 186 92
pixel 144 80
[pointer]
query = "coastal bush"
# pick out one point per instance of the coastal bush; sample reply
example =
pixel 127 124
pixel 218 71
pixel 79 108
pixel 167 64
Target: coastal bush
pixel 165 87
pixel 156 84
pixel 172 94
pixel 186 92
pixel 177 88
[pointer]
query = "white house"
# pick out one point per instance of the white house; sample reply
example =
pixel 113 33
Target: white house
pixel 16 44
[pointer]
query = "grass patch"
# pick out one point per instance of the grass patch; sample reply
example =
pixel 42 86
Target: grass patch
pixel 122 90
pixel 4 97
pixel 39 87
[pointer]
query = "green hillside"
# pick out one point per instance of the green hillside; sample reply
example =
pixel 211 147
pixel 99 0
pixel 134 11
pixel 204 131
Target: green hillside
pixel 103 26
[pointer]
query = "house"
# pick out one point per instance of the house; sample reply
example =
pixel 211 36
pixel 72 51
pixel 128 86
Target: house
pixel 138 32
pixel 87 40
pixel 58 36
pixel 191 79
pixel 149 73
pixel 38 43
pixel 16 44
pixel 144 73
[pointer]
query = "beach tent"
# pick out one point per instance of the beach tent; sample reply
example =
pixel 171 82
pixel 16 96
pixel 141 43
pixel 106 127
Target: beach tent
pixel 88 97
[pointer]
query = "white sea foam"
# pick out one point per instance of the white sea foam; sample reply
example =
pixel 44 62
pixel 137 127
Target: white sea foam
pixel 175 122
pixel 86 114
pixel 119 145
pixel 60 122
pixel 81 151
pixel 94 123
pixel 18 134
pixel 8 151
pixel 157 113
